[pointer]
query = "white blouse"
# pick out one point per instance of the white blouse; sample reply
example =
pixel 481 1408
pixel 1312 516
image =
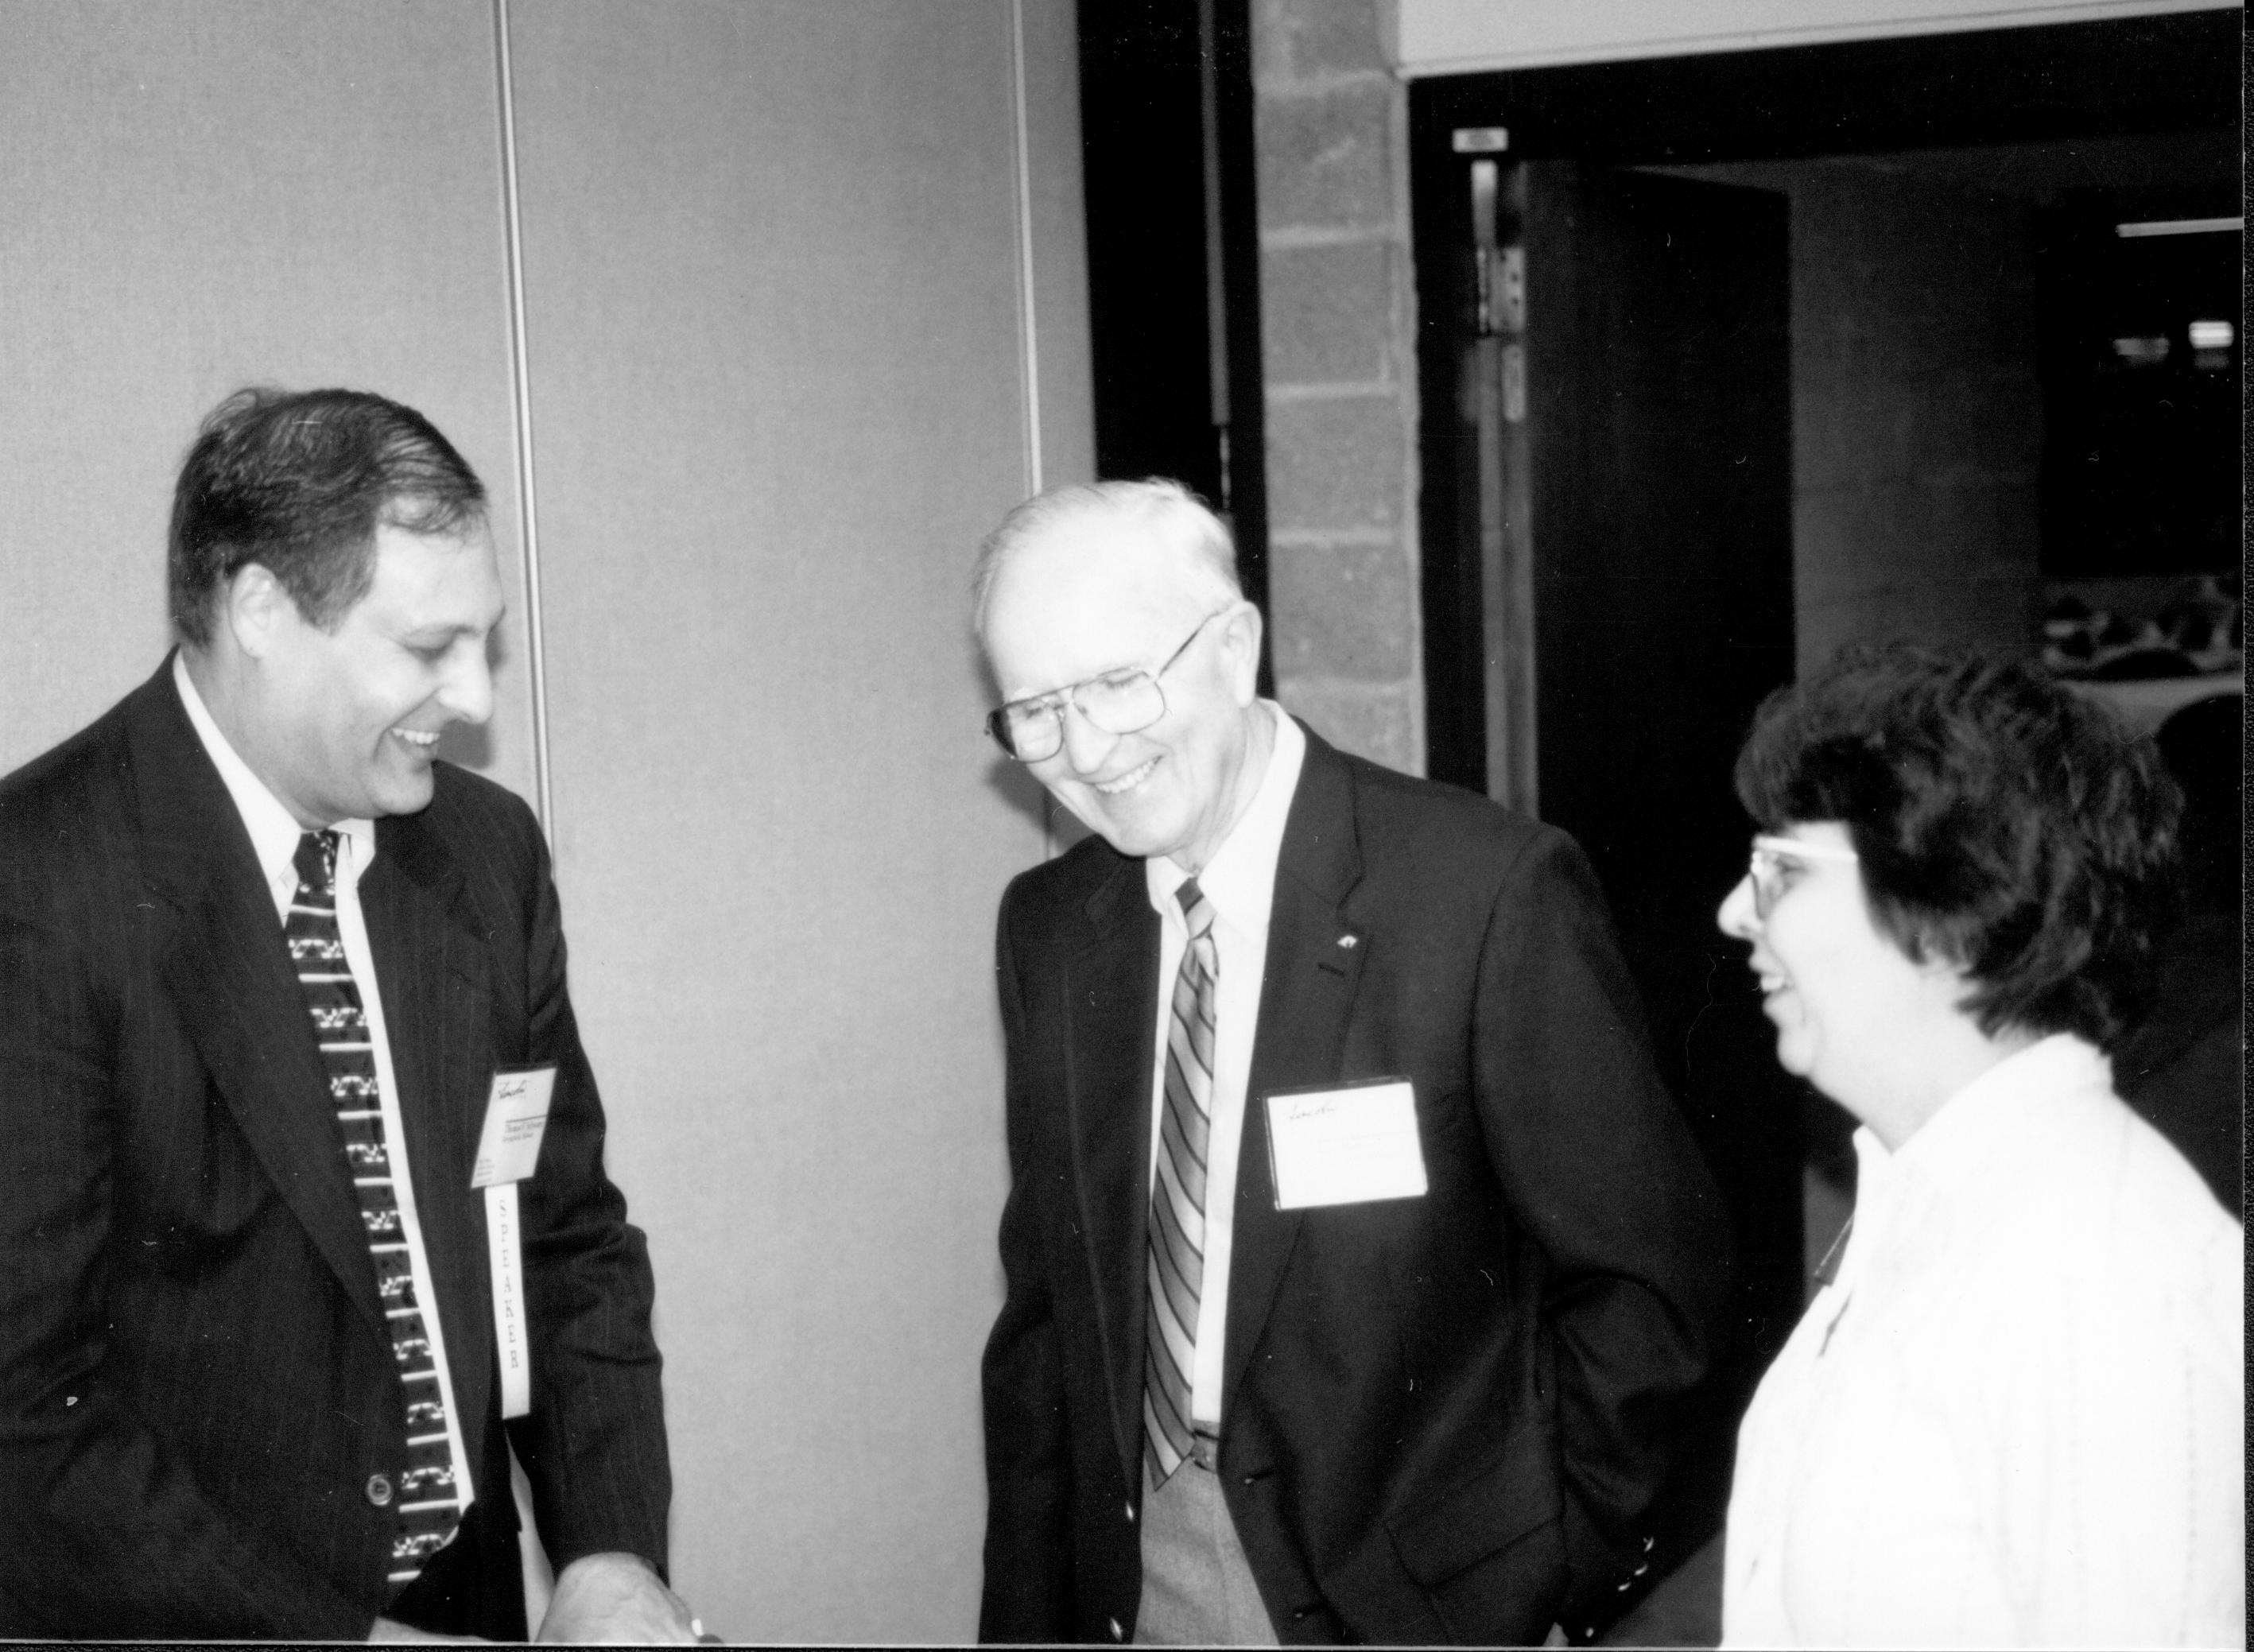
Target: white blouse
pixel 2015 1418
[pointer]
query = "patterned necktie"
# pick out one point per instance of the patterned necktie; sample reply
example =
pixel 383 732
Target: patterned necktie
pixel 1177 1261
pixel 428 1506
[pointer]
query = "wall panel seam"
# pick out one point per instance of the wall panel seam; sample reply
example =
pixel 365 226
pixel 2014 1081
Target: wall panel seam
pixel 1021 162
pixel 520 388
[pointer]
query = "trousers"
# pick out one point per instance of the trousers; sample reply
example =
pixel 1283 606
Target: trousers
pixel 1197 1588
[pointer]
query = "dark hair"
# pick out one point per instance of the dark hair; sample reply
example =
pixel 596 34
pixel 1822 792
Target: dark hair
pixel 298 482
pixel 2003 822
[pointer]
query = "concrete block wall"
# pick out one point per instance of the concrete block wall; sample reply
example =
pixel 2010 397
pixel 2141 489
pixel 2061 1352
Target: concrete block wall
pixel 1337 317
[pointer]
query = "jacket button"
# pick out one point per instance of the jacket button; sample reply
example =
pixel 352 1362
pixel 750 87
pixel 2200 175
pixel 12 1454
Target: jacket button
pixel 1131 1514
pixel 379 1489
pixel 1117 1633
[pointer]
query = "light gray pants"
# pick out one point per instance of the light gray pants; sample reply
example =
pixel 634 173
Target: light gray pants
pixel 1197 1585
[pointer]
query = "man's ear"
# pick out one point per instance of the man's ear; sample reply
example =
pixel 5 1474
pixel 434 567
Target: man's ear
pixel 1240 635
pixel 256 606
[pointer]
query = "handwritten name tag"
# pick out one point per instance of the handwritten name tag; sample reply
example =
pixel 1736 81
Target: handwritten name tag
pixel 1345 1147
pixel 516 1117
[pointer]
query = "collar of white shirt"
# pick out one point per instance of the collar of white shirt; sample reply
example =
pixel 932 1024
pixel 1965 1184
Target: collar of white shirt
pixel 1240 881
pixel 274 831
pixel 1952 1162
pixel 1981 1122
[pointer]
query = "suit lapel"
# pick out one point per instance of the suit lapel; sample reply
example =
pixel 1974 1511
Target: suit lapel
pixel 1110 996
pixel 227 969
pixel 435 971
pixel 1305 997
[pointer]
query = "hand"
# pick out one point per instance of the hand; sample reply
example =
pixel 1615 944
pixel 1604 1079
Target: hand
pixel 616 1598
pixel 390 1629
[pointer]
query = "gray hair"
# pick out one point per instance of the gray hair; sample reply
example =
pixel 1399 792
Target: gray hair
pixel 1169 510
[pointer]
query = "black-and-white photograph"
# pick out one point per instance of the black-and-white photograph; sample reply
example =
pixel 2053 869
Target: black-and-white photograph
pixel 1194 822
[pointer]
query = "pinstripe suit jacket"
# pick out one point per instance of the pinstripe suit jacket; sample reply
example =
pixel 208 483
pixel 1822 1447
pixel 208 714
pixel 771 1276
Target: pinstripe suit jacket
pixel 195 1383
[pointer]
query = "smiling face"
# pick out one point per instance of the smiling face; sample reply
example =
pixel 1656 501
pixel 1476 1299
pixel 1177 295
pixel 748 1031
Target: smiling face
pixel 1094 595
pixel 1850 1007
pixel 344 724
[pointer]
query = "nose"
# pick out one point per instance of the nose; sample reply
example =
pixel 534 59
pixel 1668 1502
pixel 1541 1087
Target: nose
pixel 467 692
pixel 1738 917
pixel 1085 745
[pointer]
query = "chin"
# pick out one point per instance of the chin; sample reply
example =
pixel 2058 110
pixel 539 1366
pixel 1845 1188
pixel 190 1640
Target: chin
pixel 1131 836
pixel 408 798
pixel 1129 843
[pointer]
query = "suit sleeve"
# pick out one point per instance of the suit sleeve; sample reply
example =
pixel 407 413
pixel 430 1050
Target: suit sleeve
pixel 101 1531
pixel 1600 1170
pixel 1027 1595
pixel 594 1446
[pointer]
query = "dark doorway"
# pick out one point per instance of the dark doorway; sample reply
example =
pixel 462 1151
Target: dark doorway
pixel 1174 254
pixel 1607 508
pixel 1657 529
pixel 2136 78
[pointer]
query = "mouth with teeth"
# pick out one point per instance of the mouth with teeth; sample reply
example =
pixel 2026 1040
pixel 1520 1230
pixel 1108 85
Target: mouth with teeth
pixel 422 740
pixel 1128 781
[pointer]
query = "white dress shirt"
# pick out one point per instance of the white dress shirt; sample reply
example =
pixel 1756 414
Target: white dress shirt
pixel 274 833
pixel 1240 881
pixel 2015 1418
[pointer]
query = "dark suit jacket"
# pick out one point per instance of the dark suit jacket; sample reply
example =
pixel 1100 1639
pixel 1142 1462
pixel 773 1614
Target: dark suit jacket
pixel 1445 1418
pixel 195 1381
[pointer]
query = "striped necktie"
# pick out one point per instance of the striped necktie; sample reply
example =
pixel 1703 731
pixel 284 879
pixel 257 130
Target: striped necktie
pixel 1177 1260
pixel 427 1503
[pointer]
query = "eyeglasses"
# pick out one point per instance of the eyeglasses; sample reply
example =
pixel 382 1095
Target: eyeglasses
pixel 1116 702
pixel 1772 855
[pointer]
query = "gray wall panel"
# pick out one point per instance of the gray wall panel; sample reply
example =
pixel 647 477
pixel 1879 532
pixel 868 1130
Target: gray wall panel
pixel 199 195
pixel 772 284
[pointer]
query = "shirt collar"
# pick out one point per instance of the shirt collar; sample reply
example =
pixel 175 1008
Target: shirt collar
pixel 1986 1118
pixel 274 831
pixel 1240 881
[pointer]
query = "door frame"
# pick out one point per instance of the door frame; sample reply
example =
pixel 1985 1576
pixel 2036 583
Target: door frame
pixel 2174 73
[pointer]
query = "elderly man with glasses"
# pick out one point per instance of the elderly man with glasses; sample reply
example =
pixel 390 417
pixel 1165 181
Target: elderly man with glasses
pixel 1361 1276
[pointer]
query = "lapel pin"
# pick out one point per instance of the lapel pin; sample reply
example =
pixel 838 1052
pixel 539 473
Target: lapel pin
pixel 1348 941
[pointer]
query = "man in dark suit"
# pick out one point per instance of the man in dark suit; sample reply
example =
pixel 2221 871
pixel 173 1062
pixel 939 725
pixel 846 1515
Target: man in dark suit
pixel 262 957
pixel 1360 1272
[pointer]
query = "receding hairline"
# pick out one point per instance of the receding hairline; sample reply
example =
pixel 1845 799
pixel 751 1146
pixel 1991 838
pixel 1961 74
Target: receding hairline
pixel 1176 519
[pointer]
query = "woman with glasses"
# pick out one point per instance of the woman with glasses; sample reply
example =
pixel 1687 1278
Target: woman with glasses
pixel 2013 1414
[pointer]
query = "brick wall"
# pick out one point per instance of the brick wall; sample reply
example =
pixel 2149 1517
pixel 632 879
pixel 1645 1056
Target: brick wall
pixel 1337 299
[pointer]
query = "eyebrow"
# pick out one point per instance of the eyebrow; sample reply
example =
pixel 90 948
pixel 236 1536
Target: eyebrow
pixel 1064 689
pixel 434 629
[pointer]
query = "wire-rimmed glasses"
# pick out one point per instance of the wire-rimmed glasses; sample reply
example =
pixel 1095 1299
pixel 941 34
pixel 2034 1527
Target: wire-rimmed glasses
pixel 1116 702
pixel 1772 856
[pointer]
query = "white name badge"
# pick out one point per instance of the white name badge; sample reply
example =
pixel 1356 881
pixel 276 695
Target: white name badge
pixel 1345 1147
pixel 508 1150
pixel 516 1117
